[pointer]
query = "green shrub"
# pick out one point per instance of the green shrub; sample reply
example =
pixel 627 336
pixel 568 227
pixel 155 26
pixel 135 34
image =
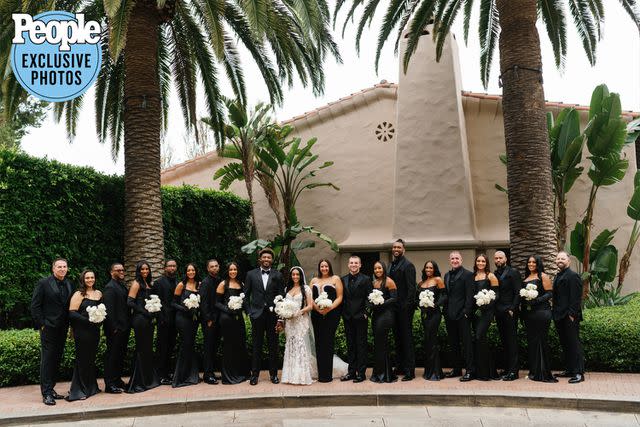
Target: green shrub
pixel 609 335
pixel 49 209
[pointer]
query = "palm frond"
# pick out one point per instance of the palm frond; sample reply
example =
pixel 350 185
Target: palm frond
pixel 552 13
pixel 586 27
pixel 633 10
pixel 184 70
pixel 421 18
pixel 468 9
pixel 489 31
pixel 118 26
pixel 444 25
pixel 256 13
pixel 367 17
pixel 164 73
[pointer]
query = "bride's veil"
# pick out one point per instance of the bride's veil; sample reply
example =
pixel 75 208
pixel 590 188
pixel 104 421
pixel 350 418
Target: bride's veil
pixel 310 341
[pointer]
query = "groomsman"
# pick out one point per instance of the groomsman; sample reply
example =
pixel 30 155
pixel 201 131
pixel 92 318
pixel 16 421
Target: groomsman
pixel 165 286
pixel 262 285
pixel 567 314
pixel 403 273
pixel 357 288
pixel 458 310
pixel 209 318
pixel 50 313
pixel 507 313
pixel 116 329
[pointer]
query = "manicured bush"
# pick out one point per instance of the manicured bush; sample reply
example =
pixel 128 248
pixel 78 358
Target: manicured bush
pixel 609 335
pixel 49 209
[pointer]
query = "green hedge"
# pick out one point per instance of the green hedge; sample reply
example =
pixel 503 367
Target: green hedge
pixel 49 209
pixel 609 335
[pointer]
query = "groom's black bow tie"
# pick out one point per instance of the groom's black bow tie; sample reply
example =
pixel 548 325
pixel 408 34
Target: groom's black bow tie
pixel 266 271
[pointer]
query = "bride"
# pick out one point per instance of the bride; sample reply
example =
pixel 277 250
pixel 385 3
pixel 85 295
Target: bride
pixel 299 364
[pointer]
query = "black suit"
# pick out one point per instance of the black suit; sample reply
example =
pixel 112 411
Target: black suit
pixel 458 310
pixel 354 303
pixel 567 301
pixel 50 313
pixel 117 326
pixel 508 300
pixel 257 303
pixel 164 287
pixel 403 273
pixel 210 334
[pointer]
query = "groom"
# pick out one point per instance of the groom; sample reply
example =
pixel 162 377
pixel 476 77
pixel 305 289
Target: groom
pixel 262 285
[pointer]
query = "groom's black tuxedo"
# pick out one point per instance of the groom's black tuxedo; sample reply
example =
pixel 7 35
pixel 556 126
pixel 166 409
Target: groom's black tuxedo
pixel 354 303
pixel 258 299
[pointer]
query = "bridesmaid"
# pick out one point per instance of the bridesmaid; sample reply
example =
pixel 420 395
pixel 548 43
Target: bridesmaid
pixel 325 322
pixel 235 358
pixel 431 316
pixel 483 279
pixel 536 314
pixel 144 376
pixel 186 372
pixel 86 336
pixel 381 323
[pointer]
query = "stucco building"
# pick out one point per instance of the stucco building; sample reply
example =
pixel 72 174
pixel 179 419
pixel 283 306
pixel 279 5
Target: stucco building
pixel 416 160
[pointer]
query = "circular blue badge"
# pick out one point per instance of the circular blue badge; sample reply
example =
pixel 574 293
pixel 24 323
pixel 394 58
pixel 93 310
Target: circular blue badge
pixel 57 71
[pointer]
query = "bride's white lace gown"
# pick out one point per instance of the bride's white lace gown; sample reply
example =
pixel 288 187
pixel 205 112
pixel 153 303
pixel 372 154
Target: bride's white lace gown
pixel 299 364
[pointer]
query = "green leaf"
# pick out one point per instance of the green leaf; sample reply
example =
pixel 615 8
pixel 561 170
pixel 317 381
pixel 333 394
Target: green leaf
pixel 600 242
pixel 633 209
pixel 607 170
pixel 605 266
pixel 576 240
pixel 599 94
pixel 302 244
pixel 111 7
pixel 501 188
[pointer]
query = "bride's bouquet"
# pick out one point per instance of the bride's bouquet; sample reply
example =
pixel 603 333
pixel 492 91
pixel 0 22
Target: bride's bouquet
pixel 484 297
pixel 192 302
pixel 284 308
pixel 426 299
pixel 97 313
pixel 235 303
pixel 153 304
pixel 323 301
pixel 376 297
pixel 530 292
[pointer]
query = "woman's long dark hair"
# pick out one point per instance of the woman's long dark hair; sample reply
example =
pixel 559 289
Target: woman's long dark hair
pixel 539 266
pixel 487 270
pixel 138 276
pixel 82 286
pixel 226 274
pixel 290 285
pixel 196 278
pixel 383 278
pixel 436 270
pixel 330 267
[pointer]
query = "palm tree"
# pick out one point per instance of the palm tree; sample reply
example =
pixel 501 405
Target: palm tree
pixel 511 25
pixel 150 44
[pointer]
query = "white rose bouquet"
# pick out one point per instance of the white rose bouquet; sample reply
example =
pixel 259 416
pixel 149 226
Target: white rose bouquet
pixel 426 299
pixel 153 304
pixel 97 313
pixel 376 297
pixel 192 302
pixel 323 301
pixel 484 297
pixel 284 308
pixel 235 303
pixel 530 292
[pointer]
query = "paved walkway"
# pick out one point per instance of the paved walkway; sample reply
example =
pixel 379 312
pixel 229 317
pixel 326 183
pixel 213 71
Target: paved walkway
pixel 600 392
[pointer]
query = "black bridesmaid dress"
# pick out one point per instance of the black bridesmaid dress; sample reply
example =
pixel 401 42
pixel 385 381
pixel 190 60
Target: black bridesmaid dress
pixel 382 322
pixel 235 357
pixel 537 318
pixel 483 316
pixel 431 317
pixel 86 336
pixel 186 372
pixel 324 331
pixel 144 376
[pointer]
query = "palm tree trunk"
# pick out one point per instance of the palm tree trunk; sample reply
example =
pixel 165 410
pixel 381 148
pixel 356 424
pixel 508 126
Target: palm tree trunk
pixel 142 123
pixel 531 222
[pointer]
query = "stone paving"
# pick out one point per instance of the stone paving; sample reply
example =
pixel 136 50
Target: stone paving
pixel 607 392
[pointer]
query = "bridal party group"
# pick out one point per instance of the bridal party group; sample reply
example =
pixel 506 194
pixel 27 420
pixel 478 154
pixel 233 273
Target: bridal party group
pixel 308 313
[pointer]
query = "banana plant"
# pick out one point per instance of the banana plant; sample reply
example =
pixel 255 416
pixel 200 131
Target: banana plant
pixel 633 211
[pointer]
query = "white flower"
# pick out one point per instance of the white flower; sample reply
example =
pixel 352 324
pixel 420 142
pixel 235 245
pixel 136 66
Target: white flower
pixel 153 304
pixel 323 301
pixel 530 292
pixel 376 297
pixel 426 299
pixel 97 314
pixel 285 308
pixel 484 297
pixel 192 302
pixel 235 303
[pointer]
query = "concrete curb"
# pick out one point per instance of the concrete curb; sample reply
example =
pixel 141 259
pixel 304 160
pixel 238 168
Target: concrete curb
pixel 567 402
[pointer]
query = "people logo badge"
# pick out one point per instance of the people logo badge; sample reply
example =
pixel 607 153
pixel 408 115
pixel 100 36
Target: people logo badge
pixel 55 55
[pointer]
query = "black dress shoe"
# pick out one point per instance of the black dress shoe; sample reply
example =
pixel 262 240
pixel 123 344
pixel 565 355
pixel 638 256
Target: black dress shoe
pixel 511 376
pixel 453 373
pixel 578 378
pixel 347 377
pixel 359 379
pixel 275 380
pixel 113 390
pixel 467 377
pixel 563 374
pixel 210 380
pixel 550 380
pixel 408 377
pixel 165 381
pixel 57 396
pixel 48 400
pixel 253 380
